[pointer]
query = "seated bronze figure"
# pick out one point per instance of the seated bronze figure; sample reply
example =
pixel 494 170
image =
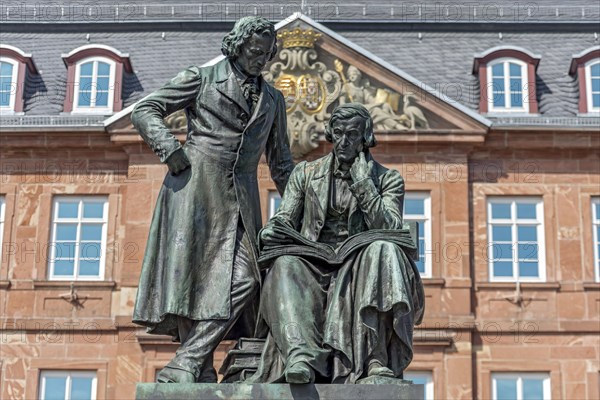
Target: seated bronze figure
pixel 352 318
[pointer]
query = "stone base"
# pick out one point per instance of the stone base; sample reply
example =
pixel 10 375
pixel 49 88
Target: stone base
pixel 383 380
pixel 244 391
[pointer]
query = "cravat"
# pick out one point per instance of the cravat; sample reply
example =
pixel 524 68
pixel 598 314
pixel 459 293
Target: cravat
pixel 251 92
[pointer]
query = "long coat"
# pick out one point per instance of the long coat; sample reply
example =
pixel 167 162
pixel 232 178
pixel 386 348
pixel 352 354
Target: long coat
pixel 367 283
pixel 187 266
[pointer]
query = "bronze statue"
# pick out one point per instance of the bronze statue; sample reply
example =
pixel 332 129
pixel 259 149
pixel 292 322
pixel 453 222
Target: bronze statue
pixel 199 273
pixel 350 316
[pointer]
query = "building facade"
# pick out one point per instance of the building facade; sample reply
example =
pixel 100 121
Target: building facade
pixel 490 112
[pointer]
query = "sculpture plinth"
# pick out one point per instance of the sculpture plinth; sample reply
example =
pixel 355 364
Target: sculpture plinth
pixel 234 391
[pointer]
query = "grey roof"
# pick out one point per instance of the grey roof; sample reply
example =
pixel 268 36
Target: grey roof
pixel 442 59
pixel 34 11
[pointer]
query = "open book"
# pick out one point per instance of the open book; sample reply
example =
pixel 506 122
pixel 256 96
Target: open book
pixel 305 248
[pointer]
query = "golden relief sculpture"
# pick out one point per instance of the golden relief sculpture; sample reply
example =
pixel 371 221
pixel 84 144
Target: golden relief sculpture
pixel 313 84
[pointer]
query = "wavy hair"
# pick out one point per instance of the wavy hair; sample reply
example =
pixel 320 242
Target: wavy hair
pixel 242 31
pixel 348 111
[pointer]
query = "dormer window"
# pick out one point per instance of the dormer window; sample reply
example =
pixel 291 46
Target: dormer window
pixel 587 66
pixel 14 64
pixel 94 85
pixel 8 83
pixel 592 72
pixel 507 80
pixel 95 76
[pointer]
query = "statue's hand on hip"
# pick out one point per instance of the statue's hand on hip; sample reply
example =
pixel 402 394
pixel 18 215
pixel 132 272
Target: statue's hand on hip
pixel 178 162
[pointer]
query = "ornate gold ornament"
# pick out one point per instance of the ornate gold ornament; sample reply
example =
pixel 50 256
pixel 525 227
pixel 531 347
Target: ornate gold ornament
pixel 298 38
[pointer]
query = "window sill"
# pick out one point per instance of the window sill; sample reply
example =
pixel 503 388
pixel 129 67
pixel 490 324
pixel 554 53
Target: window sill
pixel 510 113
pixel 552 286
pixel 591 286
pixel 92 111
pixel 433 282
pixel 78 284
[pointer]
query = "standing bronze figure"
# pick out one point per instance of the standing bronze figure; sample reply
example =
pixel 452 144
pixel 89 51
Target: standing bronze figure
pixel 340 323
pixel 199 272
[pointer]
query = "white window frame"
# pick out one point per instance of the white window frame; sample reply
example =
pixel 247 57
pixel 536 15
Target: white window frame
pixel 69 376
pixel 512 200
pixel 519 378
pixel 79 220
pixel 427 376
pixel 595 239
pixel 273 196
pixel 507 93
pixel 10 109
pixel 588 85
pixel 2 216
pixel 92 108
pixel 426 197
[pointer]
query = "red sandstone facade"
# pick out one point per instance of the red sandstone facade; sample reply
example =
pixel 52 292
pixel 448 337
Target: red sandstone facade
pixel 475 327
pixel 472 328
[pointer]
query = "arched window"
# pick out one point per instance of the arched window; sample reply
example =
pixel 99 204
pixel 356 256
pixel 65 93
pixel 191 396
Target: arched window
pixel 14 64
pixel 507 80
pixel 592 74
pixel 8 83
pixel 94 85
pixel 95 76
pixel 587 67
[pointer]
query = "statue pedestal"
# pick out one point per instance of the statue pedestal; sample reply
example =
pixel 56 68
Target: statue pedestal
pixel 244 391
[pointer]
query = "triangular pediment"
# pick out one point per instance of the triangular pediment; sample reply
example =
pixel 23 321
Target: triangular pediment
pixel 316 69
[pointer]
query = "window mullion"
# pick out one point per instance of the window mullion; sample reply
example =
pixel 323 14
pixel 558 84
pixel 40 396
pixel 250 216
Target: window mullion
pixel 514 240
pixel 68 387
pixel 507 101
pixel 53 248
pixel 78 240
pixel 94 83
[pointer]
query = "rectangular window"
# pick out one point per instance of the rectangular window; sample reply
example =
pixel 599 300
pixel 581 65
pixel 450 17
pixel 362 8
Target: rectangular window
pixel 422 378
pixel 520 386
pixel 78 244
pixel 596 235
pixel 417 207
pixel 274 202
pixel 68 385
pixel 516 239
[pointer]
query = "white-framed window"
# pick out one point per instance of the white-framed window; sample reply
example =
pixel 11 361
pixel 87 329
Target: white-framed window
pixel 596 235
pixel 94 85
pixel 8 84
pixel 424 378
pixel 417 207
pixel 520 386
pixel 78 245
pixel 2 213
pixel 274 202
pixel 516 239
pixel 592 77
pixel 508 86
pixel 68 385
